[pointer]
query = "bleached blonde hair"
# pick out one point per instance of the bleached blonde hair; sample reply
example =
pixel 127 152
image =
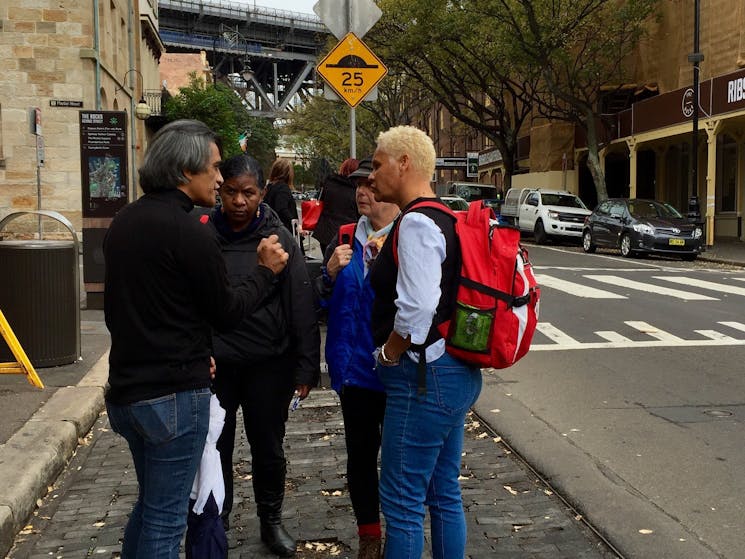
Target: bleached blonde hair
pixel 413 142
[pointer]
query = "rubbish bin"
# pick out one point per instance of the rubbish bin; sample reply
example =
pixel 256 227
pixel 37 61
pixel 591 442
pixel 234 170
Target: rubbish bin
pixel 40 295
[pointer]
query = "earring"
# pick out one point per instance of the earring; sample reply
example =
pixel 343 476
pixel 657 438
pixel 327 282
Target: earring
pixel 258 211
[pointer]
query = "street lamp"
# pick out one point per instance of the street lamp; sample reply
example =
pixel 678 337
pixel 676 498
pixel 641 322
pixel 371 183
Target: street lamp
pixel 142 109
pixel 694 211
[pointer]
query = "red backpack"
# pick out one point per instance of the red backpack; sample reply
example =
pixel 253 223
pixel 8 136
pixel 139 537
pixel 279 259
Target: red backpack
pixel 496 308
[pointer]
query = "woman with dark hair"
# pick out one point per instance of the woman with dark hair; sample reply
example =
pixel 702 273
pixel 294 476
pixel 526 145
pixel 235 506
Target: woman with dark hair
pixel 278 194
pixel 270 355
pixel 339 203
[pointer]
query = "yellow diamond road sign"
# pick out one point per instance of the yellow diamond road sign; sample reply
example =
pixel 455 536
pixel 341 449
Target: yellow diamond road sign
pixel 352 69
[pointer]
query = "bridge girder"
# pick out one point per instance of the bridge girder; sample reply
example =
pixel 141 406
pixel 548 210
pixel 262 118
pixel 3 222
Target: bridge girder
pixel 268 56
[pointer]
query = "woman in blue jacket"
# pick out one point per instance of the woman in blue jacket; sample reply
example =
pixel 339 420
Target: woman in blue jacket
pixel 346 291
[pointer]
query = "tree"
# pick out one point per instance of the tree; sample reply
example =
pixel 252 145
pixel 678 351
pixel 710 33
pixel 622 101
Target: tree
pixel 578 46
pixel 221 109
pixel 459 58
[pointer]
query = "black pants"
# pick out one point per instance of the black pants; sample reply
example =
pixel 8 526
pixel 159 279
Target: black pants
pixel 263 391
pixel 363 411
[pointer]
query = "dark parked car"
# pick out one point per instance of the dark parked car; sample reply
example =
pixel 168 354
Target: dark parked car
pixel 641 226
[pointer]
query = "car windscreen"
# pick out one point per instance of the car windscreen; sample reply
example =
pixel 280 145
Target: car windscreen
pixel 649 209
pixel 456 204
pixel 564 200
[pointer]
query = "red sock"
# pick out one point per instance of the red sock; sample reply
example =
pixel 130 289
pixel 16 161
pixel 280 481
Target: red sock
pixel 372 530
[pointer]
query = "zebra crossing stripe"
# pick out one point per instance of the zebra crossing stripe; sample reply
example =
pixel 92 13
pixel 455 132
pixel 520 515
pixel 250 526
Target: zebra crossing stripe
pixel 735 325
pixel 651 288
pixel 693 282
pixel 612 336
pixel 553 333
pixel 575 289
pixel 650 330
pixel 645 343
pixel 714 335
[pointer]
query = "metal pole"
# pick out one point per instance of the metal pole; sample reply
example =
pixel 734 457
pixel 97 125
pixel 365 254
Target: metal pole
pixel 352 133
pixel 38 193
pixel 352 111
pixel 696 58
pixel 132 86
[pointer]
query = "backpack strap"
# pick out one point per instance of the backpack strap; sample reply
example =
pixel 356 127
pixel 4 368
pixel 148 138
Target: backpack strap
pixel 436 204
pixel 346 234
pixel 428 203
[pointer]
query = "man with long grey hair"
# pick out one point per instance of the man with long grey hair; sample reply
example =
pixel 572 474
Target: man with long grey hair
pixel 165 285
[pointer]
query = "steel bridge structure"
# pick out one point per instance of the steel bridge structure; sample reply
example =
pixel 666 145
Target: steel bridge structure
pixel 266 55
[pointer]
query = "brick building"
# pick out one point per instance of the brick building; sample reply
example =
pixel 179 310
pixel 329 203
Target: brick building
pixel 648 141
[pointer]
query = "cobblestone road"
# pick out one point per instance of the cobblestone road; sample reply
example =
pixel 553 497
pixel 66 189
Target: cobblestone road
pixel 510 513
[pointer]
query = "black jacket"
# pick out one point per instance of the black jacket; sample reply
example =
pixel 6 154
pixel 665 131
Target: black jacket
pixel 279 197
pixel 165 285
pixel 339 207
pixel 285 322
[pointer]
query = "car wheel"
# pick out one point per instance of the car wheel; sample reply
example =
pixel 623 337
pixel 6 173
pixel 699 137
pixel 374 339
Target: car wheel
pixel 587 243
pixel 539 232
pixel 626 246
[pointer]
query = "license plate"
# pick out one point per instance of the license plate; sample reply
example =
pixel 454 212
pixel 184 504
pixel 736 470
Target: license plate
pixel 677 242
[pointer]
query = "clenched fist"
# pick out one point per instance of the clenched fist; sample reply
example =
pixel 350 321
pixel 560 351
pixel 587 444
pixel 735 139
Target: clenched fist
pixel 340 259
pixel 271 254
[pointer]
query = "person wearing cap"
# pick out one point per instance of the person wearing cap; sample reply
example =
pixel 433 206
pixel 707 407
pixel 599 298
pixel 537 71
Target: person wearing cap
pixel 345 291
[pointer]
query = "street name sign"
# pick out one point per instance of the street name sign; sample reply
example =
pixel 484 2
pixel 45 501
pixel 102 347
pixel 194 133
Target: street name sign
pixel 352 69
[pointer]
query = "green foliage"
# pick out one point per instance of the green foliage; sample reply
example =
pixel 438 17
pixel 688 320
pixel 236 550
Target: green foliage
pixel 578 46
pixel 320 130
pixel 221 109
pixel 458 57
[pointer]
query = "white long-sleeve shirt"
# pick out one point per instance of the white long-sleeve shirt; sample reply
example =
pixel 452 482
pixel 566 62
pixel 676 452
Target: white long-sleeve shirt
pixel 421 252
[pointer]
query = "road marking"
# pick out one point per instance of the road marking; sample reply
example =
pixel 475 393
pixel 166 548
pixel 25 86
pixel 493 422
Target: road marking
pixel 736 325
pixel 647 343
pixel 552 332
pixel 651 288
pixel 576 289
pixel 714 335
pixel 592 269
pixel 562 341
pixel 612 336
pixel 722 287
pixel 647 328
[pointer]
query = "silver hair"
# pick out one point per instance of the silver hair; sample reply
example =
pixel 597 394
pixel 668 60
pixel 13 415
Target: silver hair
pixel 182 145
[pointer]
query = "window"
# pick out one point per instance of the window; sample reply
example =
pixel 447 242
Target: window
pixel 617 210
pixel 603 209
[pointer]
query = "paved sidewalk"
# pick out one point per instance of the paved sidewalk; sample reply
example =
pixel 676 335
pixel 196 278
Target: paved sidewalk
pixel 510 514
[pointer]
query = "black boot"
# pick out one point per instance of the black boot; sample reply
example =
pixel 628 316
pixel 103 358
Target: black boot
pixel 276 538
pixel 269 493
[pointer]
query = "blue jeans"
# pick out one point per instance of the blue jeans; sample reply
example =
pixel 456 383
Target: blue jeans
pixel 421 456
pixel 166 436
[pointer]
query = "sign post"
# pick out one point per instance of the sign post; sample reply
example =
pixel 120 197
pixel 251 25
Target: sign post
pixel 345 18
pixel 34 120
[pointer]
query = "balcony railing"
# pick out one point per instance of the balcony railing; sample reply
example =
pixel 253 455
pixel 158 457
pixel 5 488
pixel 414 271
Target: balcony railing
pixel 154 99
